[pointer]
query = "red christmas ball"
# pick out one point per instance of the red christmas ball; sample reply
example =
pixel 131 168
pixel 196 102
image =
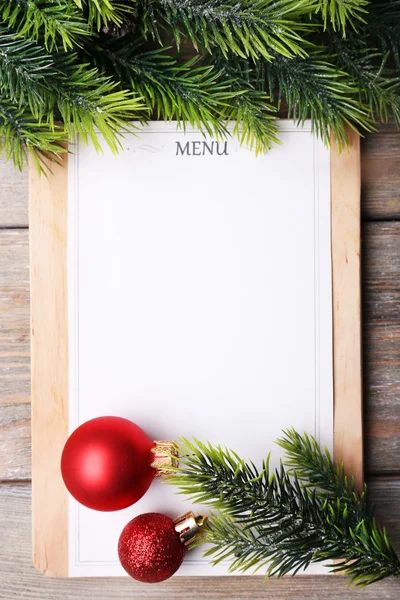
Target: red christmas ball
pixel 106 463
pixel 150 549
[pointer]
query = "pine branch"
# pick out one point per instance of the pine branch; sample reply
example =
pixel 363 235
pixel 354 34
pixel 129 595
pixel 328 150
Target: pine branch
pixel 313 465
pixel 100 13
pixel 171 90
pixel 342 13
pixel 378 84
pixel 207 96
pixel 287 547
pixel 58 85
pixel 249 109
pixel 54 22
pixel 383 27
pixel 270 519
pixel 314 468
pixel 314 87
pixel 247 50
pixel 20 131
pixel 248 28
pixel 88 101
pixel 24 67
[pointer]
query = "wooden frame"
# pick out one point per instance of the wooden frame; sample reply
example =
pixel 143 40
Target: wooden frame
pixel 49 323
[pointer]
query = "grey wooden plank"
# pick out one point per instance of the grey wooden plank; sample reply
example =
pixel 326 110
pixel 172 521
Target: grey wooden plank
pixel 14 314
pixel 381 372
pixel 380 170
pixel 381 271
pixel 15 436
pixel 381 368
pixel 20 580
pixel 14 356
pixel 13 195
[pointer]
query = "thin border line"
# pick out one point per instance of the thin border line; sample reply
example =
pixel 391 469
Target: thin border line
pixel 317 395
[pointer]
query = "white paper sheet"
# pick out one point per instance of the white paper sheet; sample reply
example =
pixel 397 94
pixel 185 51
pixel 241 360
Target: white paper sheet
pixel 199 304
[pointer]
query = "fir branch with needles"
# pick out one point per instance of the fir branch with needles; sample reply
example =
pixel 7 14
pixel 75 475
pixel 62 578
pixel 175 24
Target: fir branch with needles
pixel 91 65
pixel 58 87
pixel 184 91
pixel 341 14
pixel 248 28
pixel 100 13
pixel 383 27
pixel 315 87
pixel 249 109
pixel 378 82
pixel 56 23
pixel 20 131
pixel 88 101
pixel 206 95
pixel 308 511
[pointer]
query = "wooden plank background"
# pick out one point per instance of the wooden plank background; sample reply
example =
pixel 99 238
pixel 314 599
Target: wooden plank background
pixel 381 317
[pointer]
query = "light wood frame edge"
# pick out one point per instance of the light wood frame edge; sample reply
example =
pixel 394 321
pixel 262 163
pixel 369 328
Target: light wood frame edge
pixel 346 292
pixel 48 218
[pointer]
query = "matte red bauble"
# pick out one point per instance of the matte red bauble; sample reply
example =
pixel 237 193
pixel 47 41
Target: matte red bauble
pixel 152 546
pixel 108 463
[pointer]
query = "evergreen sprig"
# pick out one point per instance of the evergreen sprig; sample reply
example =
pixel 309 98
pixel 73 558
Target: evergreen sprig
pixel 207 96
pixel 19 131
pixel 314 87
pixel 248 28
pixel 342 13
pixel 383 27
pixel 375 81
pixel 186 92
pixel 96 65
pixel 102 12
pixel 284 520
pixel 55 22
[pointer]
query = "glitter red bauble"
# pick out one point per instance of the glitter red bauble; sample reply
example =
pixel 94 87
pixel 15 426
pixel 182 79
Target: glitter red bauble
pixel 150 549
pixel 106 463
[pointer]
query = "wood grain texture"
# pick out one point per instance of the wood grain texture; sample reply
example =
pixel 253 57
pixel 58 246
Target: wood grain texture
pixel 381 272
pixel 381 308
pixel 20 580
pixel 49 323
pixel 381 175
pixel 346 300
pixel 382 405
pixel 15 419
pixel 13 195
pixel 15 435
pixel 14 314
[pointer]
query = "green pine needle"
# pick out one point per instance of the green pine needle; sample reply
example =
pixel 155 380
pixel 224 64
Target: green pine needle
pixel 97 65
pixel 283 522
pixel 254 118
pixel 206 96
pixel 103 12
pixel 87 101
pixel 342 13
pixel 24 70
pixel 383 27
pixel 20 132
pixel 249 28
pixel 54 86
pixel 314 87
pixel 55 22
pixel 378 84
